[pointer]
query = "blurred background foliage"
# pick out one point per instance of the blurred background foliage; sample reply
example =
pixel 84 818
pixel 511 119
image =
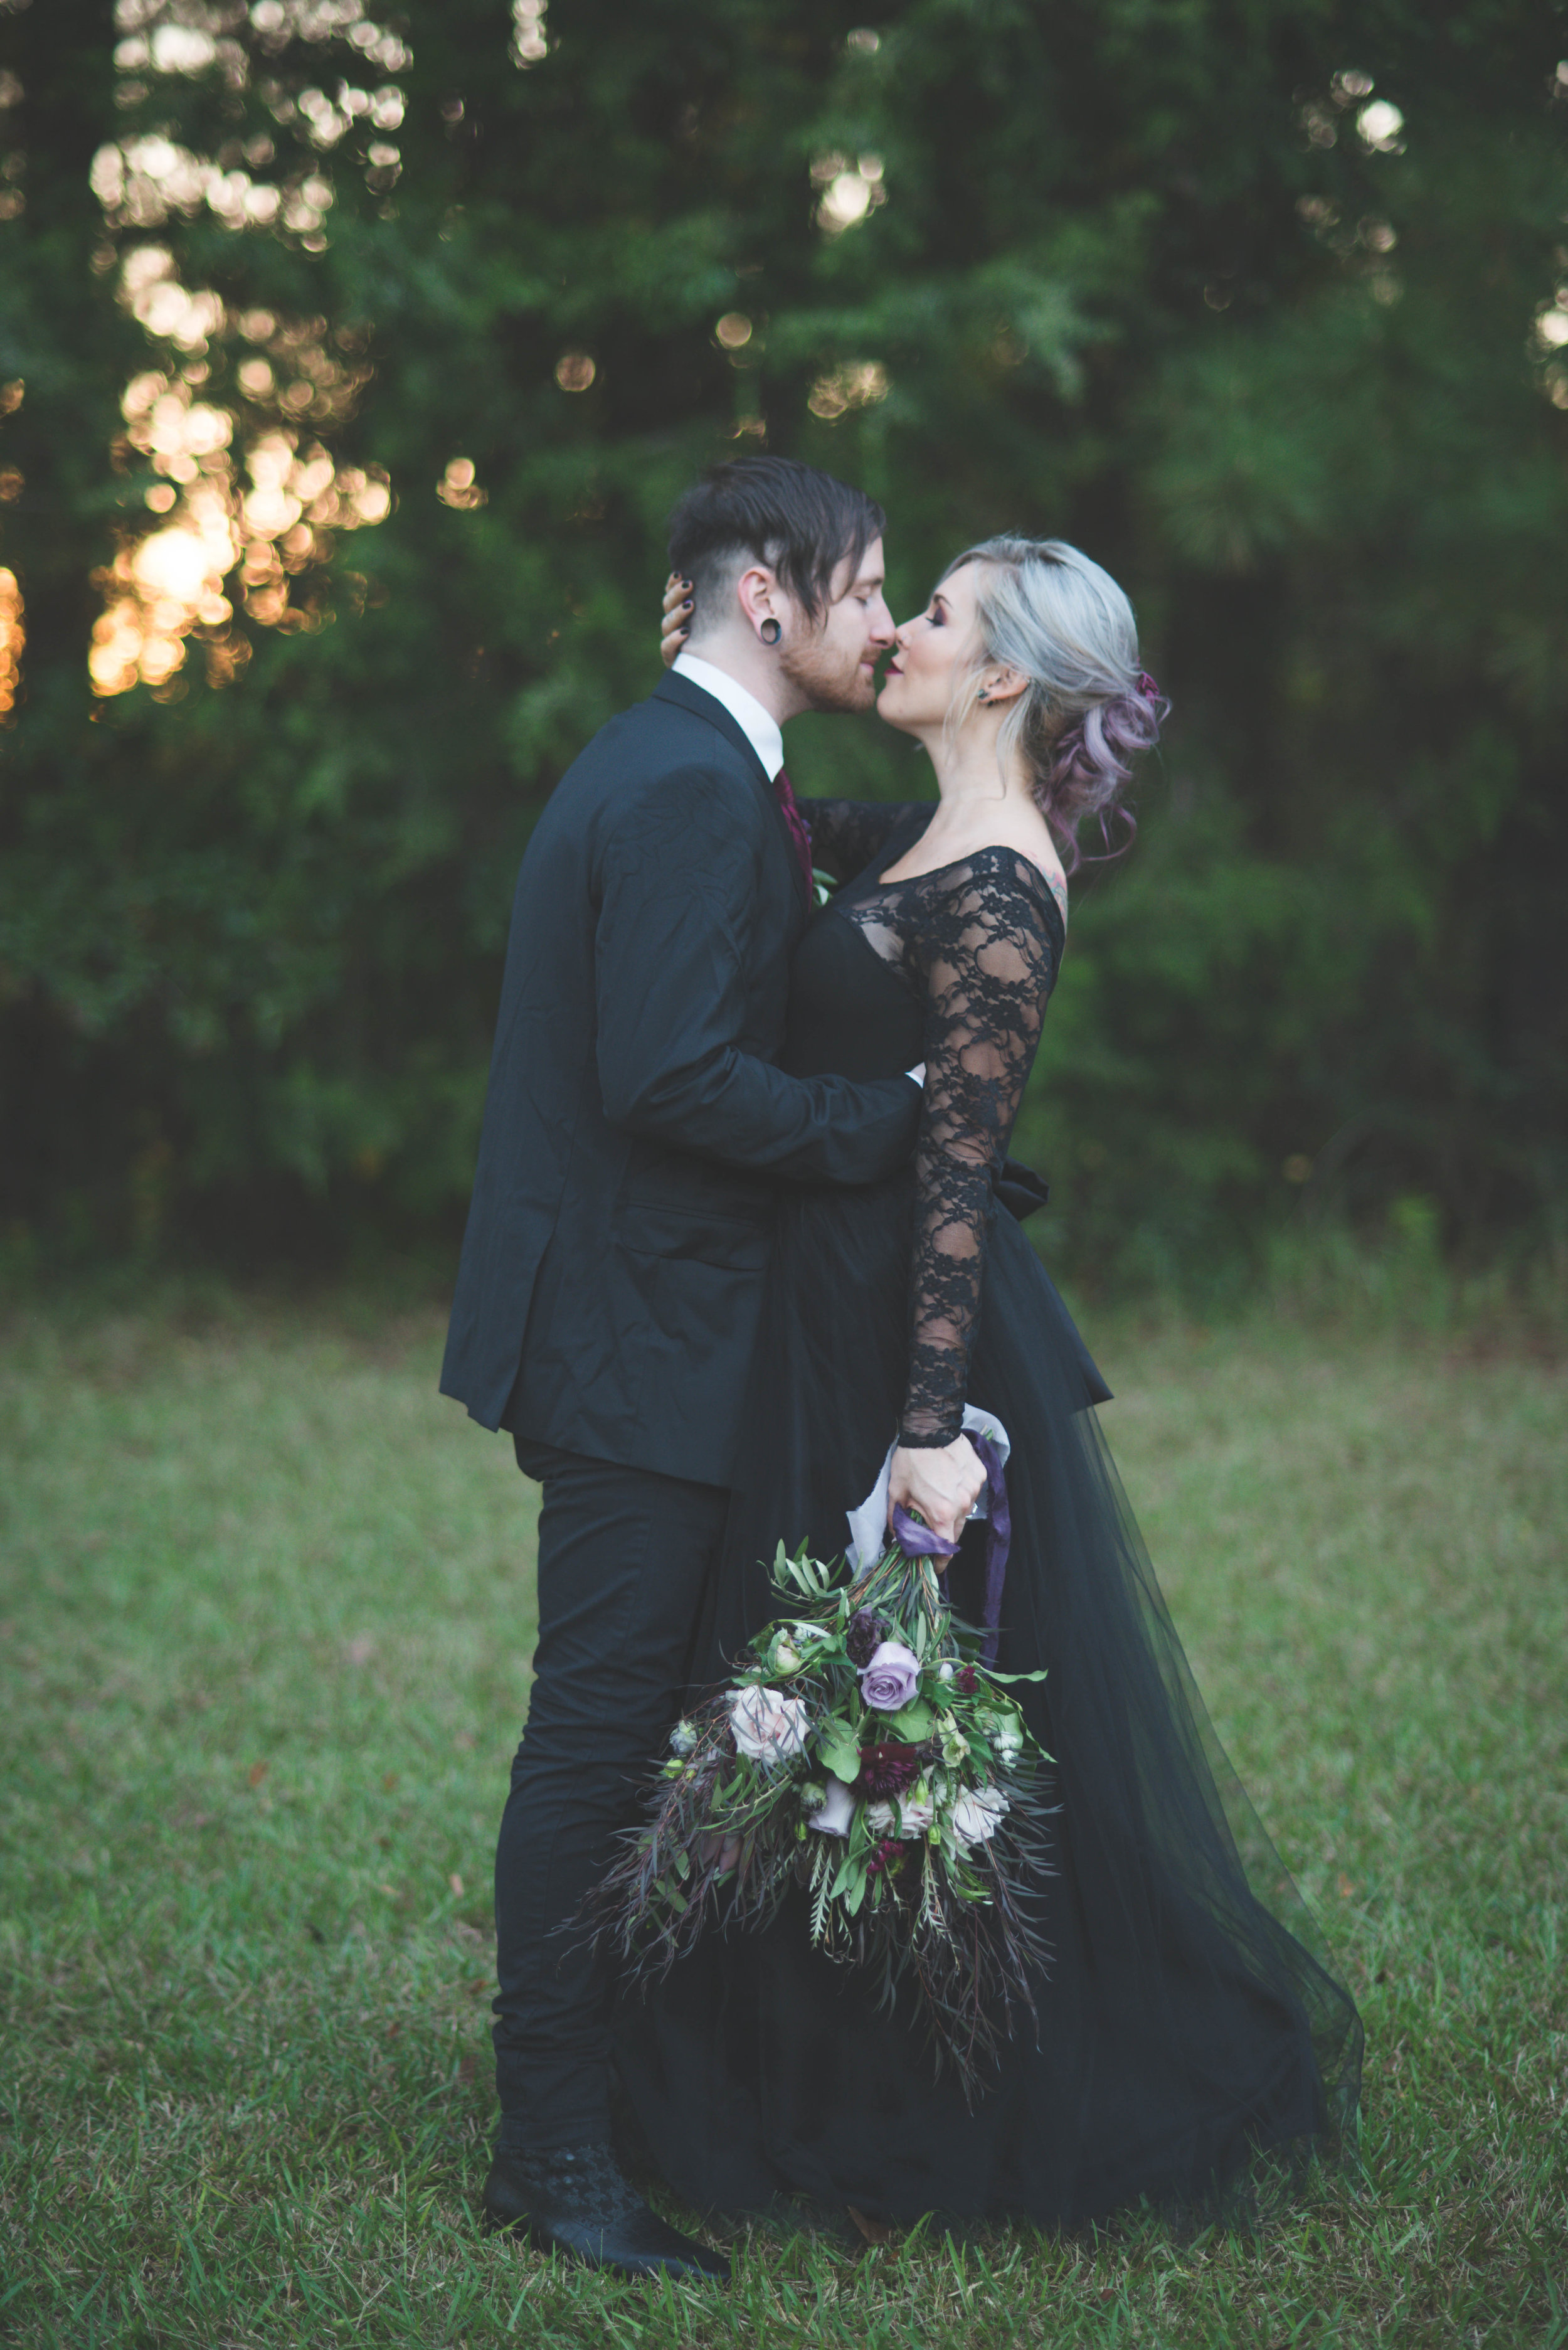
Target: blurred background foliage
pixel 350 363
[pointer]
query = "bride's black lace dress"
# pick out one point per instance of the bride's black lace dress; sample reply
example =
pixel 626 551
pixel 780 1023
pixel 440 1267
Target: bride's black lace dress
pixel 1185 2024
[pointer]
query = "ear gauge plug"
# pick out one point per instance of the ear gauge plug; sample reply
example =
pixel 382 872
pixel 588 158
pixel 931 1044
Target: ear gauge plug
pixel 770 632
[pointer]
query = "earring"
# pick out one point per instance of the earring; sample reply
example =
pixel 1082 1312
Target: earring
pixel 770 632
pixel 983 695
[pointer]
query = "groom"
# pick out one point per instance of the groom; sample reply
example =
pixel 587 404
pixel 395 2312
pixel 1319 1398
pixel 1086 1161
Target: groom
pixel 611 1275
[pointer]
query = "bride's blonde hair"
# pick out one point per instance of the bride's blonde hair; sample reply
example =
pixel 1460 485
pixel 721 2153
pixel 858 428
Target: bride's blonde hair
pixel 1087 707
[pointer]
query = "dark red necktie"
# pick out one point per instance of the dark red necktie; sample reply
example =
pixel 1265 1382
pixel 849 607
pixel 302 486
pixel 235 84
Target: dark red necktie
pixel 796 821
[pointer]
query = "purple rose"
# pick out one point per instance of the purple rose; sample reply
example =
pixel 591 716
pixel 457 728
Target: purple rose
pixel 891 1677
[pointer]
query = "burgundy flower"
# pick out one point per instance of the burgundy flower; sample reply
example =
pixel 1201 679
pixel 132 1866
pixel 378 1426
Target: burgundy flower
pixel 887 1858
pixel 888 1769
pixel 964 1680
pixel 866 1635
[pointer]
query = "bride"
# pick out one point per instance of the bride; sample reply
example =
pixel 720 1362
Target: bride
pixel 1186 2025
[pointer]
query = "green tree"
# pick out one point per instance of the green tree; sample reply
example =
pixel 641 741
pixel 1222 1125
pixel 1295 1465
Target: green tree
pixel 1260 304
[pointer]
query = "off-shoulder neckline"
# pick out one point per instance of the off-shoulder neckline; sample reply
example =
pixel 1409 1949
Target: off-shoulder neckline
pixel 992 849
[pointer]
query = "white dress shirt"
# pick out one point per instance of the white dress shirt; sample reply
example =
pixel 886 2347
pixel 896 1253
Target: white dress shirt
pixel 758 726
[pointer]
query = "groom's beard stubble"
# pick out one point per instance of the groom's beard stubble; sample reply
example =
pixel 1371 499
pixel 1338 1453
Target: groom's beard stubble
pixel 830 678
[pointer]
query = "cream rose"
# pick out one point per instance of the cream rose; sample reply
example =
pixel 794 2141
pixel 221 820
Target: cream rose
pixel 978 1814
pixel 915 1814
pixel 768 1727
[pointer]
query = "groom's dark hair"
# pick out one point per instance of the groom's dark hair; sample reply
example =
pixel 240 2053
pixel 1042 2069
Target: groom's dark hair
pixel 801 523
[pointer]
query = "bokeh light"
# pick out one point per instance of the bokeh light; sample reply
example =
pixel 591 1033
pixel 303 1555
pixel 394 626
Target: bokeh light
pixel 530 43
pixel 266 522
pixel 13 637
pixel 457 488
pixel 247 497
pixel 849 189
pixel 1380 124
pixel 859 384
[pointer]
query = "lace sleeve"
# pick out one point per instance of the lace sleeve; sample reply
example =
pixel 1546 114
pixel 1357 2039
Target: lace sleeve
pixel 989 947
pixel 845 835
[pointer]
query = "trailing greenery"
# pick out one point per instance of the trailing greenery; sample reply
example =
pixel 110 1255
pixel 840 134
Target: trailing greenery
pixel 1163 280
pixel 866 1755
pixel 265 1617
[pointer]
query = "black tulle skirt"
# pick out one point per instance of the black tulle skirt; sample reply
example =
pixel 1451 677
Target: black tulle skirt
pixel 1187 2025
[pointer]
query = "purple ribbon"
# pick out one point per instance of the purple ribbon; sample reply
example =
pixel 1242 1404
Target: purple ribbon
pixel 917 1541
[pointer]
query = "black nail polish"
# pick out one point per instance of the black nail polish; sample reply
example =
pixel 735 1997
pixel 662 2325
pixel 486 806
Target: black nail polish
pixel 687 606
pixel 686 583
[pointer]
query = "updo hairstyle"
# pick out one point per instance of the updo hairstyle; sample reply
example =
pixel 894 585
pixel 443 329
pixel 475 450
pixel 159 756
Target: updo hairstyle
pixel 1087 708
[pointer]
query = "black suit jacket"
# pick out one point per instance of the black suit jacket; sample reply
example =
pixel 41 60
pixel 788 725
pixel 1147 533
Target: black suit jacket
pixel 635 1125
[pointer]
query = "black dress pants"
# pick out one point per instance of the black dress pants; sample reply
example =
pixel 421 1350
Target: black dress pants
pixel 625 1558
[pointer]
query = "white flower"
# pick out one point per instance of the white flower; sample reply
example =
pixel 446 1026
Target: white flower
pixel 915 1816
pixel 1006 1737
pixel 977 1815
pixel 837 1809
pixel 944 1670
pixel 684 1737
pixel 768 1727
pixel 785 1661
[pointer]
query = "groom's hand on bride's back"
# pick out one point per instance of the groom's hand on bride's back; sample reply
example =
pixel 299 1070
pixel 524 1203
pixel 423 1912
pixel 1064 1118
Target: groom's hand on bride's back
pixel 940 1485
pixel 677 617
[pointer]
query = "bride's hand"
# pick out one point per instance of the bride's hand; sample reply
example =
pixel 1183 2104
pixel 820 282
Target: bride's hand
pixel 941 1485
pixel 677 617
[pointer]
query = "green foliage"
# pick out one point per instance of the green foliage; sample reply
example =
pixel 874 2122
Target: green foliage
pixel 936 1900
pixel 1131 275
pixel 244 2070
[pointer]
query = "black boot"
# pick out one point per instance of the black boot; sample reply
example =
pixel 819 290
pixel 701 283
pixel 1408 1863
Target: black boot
pixel 577 2199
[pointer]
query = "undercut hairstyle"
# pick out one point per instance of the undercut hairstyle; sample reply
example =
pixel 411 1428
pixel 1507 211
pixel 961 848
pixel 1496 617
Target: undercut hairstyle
pixel 801 523
pixel 1088 709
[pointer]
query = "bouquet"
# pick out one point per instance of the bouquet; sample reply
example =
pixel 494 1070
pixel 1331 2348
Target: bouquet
pixel 868 1753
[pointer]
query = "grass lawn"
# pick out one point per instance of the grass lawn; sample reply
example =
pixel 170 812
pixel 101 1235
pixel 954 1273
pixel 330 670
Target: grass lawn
pixel 264 1636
